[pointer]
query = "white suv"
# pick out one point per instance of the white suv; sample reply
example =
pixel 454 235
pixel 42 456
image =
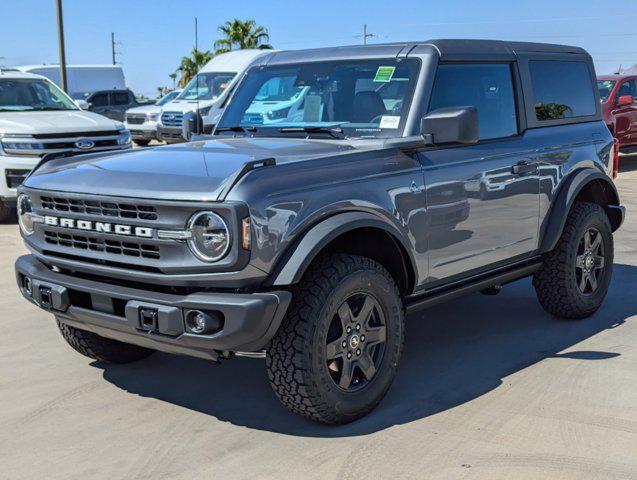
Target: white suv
pixel 37 118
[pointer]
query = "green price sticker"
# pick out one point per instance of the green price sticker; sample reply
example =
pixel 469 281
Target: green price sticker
pixel 384 74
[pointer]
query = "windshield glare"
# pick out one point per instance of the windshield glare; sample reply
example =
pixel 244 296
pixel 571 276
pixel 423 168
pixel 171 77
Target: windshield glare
pixel 166 98
pixel 605 88
pixel 364 98
pixel 26 94
pixel 206 86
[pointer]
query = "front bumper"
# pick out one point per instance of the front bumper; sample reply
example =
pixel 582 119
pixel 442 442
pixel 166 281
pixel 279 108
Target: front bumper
pixel 144 131
pixel 169 134
pixel 113 311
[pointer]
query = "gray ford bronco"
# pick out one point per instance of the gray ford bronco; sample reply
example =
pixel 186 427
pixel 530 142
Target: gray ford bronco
pixel 342 189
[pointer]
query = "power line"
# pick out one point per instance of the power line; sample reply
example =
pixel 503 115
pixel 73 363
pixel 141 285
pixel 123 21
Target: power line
pixel 506 22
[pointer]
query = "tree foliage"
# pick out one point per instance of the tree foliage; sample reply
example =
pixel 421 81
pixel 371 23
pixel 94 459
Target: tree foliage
pixel 238 35
pixel 191 64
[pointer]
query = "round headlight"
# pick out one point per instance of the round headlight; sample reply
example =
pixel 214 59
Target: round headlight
pixel 25 214
pixel 209 236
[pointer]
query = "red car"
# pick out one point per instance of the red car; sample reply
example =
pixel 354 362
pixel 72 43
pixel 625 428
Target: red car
pixel 619 109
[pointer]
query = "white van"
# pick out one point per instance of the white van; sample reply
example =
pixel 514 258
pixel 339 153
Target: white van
pixel 206 92
pixel 37 118
pixel 82 80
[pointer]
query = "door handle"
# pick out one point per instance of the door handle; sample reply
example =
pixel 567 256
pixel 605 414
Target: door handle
pixel 523 167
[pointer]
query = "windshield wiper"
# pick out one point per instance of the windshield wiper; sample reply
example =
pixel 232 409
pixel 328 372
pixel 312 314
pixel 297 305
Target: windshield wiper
pixel 237 128
pixel 335 132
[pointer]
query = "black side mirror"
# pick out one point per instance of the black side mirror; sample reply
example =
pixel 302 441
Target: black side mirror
pixel 191 124
pixel 451 125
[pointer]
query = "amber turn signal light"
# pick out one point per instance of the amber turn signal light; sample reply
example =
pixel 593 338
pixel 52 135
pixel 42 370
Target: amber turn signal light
pixel 245 233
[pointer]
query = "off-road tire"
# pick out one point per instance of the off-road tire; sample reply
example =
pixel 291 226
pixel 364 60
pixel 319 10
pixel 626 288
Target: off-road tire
pixel 296 357
pixel 555 282
pixel 103 349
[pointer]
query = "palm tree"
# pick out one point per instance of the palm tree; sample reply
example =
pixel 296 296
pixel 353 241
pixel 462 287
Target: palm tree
pixel 241 34
pixel 191 65
pixel 173 77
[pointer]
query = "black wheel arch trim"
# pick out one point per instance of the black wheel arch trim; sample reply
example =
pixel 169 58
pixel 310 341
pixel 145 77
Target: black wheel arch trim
pixel 572 186
pixel 295 262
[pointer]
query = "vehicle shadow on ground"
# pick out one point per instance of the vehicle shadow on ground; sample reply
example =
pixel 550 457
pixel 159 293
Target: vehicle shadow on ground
pixel 627 163
pixel 454 353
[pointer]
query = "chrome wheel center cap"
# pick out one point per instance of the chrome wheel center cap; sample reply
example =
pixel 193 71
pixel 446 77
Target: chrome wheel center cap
pixel 589 261
pixel 354 342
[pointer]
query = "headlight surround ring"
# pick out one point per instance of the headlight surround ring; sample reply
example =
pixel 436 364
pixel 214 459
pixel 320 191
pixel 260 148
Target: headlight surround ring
pixel 210 238
pixel 25 214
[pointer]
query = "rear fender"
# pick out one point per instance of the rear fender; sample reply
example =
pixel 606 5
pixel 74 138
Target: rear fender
pixel 571 188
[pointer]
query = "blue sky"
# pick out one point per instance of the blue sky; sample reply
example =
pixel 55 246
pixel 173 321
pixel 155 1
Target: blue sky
pixel 156 34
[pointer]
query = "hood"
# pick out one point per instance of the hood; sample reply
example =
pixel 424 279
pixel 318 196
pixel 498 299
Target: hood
pixel 195 171
pixel 184 106
pixel 54 122
pixel 145 109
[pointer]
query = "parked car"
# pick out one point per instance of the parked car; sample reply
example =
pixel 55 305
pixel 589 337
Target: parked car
pixel 110 103
pixel 82 80
pixel 37 118
pixel 618 94
pixel 206 93
pixel 312 239
pixel 142 122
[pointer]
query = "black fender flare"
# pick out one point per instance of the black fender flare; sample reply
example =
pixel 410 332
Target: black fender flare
pixel 294 264
pixel 572 186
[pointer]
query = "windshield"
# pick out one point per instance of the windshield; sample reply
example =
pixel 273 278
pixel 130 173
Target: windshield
pixel 22 94
pixel 605 88
pixel 167 98
pixel 361 98
pixel 206 86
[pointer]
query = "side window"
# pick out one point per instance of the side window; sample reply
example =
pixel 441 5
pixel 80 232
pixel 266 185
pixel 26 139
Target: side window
pixel 120 98
pixel 100 100
pixel 627 88
pixel 488 87
pixel 562 89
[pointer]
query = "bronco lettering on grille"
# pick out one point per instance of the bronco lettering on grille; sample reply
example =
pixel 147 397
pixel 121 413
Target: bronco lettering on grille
pixel 101 227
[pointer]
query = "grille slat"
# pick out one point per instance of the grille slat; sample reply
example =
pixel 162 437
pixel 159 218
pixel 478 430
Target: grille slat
pixel 105 209
pixel 172 119
pixel 94 244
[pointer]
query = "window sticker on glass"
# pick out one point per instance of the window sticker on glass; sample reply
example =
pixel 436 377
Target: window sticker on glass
pixel 384 74
pixel 389 121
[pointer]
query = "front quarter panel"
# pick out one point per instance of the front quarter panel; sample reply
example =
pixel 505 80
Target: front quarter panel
pixel 286 200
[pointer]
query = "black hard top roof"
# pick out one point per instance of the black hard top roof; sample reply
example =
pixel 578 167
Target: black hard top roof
pixel 446 49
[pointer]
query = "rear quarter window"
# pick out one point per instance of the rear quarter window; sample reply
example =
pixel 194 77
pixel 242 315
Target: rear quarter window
pixel 562 89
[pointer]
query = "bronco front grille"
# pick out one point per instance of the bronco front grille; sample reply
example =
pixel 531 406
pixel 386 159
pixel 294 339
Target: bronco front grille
pixel 81 242
pixel 93 207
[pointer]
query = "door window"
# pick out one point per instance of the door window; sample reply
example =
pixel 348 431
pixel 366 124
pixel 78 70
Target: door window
pixel 487 87
pixel 120 98
pixel 629 87
pixel 100 100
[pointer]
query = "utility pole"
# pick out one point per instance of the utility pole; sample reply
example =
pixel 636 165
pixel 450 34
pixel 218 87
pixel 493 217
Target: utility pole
pixel 114 52
pixel 366 35
pixel 61 46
